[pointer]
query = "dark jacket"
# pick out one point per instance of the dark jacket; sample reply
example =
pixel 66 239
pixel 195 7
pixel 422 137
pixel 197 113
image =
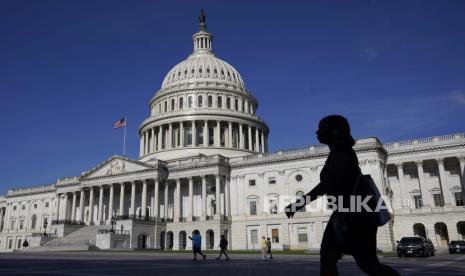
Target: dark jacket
pixel 223 244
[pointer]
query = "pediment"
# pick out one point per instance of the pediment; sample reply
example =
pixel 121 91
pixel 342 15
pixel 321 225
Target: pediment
pixel 116 165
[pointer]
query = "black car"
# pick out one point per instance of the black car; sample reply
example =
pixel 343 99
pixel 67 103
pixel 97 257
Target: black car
pixel 456 247
pixel 415 246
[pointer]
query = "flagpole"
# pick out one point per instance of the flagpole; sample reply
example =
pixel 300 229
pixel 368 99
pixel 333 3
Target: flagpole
pixel 124 139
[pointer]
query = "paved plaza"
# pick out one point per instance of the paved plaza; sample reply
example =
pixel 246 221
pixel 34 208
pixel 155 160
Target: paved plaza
pixel 145 263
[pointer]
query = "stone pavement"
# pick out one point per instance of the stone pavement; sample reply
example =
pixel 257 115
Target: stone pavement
pixel 148 263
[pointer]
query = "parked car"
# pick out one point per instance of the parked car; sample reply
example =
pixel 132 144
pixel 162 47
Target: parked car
pixel 415 246
pixel 456 247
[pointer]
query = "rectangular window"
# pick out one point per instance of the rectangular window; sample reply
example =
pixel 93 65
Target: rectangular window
pixel 13 222
pixel 189 136
pixel 10 244
pixel 200 101
pixel 438 200
pixel 200 135
pixel 275 235
pixel 46 204
pixel 210 101
pixel 458 198
pixel 418 201
pixel 21 224
pixel 189 102
pixel 302 235
pixel 228 103
pixel 211 136
pixel 271 180
pixel 253 208
pixel 252 183
pixel 254 236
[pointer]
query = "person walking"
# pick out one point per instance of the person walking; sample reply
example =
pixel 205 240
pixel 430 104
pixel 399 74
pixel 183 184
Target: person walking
pixel 264 245
pixel 352 233
pixel 268 248
pixel 223 246
pixel 197 245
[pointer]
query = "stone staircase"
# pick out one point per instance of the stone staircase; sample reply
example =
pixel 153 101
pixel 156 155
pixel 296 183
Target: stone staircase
pixel 80 239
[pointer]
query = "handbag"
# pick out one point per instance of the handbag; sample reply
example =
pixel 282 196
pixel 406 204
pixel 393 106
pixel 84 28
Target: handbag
pixel 383 216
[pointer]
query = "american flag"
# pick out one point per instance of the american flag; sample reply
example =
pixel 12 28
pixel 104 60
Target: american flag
pixel 120 123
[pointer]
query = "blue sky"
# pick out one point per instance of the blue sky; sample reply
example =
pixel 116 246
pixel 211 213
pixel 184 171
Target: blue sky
pixel 69 69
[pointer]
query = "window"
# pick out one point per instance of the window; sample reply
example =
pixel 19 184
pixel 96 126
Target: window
pixel 208 70
pixel 189 136
pixel 35 205
pixel 252 183
pixel 23 207
pixel 165 106
pixel 172 105
pixel 10 244
pixel 46 204
pixel 438 200
pixel 253 208
pixel 298 177
pixel 210 101
pixel 33 222
pixel 199 104
pixel 273 206
pixel 418 201
pixel 220 99
pixel 189 102
pixel 200 135
pixel 228 103
pixel 12 227
pixel 254 236
pixel 271 180
pixel 181 103
pixel 21 224
pixel 458 199
pixel 275 235
pixel 14 208
pixel 200 70
pixel 236 104
pixel 19 244
pixel 211 136
pixel 302 236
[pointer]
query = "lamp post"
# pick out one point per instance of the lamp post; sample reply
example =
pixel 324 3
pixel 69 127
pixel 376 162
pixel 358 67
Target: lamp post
pixel 113 222
pixel 45 227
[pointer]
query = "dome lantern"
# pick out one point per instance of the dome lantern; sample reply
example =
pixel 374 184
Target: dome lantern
pixel 202 39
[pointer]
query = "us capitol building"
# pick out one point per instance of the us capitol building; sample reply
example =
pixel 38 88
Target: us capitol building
pixel 204 165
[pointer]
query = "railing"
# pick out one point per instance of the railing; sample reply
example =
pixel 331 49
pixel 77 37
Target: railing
pixel 60 242
pixel 50 235
pixel 114 231
pixel 67 222
pixel 427 140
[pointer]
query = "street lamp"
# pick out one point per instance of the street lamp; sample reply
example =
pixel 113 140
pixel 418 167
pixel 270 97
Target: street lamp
pixel 45 227
pixel 113 222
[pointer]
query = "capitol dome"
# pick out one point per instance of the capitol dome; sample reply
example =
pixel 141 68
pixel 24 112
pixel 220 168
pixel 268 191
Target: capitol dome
pixel 202 107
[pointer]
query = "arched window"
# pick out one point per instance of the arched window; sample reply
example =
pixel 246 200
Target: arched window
pixel 299 196
pixel 181 103
pixel 199 101
pixel 220 101
pixel 210 101
pixel 189 102
pixel 228 103
pixel 33 222
pixel 165 106
pixel 172 105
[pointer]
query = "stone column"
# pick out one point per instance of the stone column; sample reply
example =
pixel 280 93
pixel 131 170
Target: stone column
pixel 250 137
pixel 169 141
pixel 65 208
pixel 230 136
pixel 82 199
pixel 152 143
pixel 166 199
pixel 132 211
pixel 447 195
pixel 181 134
pixel 425 195
pixel 462 173
pixel 57 210
pixel 194 134
pixel 73 207
pixel 141 145
pixel 241 137
pixel 205 134
pixel 262 136
pixel 227 208
pixel 91 206
pixel 218 134
pixel 217 196
pixel 121 199
pixel 146 142
pixel 160 137
pixel 155 200
pixel 144 199
pixel 191 199
pixel 257 140
pixel 403 190
pixel 177 200
pixel 110 201
pixel 204 197
pixel 100 205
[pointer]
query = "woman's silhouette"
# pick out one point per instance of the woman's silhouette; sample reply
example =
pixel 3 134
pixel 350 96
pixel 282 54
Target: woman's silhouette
pixel 338 178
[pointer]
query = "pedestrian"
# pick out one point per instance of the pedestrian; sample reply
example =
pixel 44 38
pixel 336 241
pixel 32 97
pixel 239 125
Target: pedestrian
pixel 197 245
pixel 268 248
pixel 223 246
pixel 264 247
pixel 339 177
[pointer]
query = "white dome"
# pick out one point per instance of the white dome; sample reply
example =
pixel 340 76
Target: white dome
pixel 202 66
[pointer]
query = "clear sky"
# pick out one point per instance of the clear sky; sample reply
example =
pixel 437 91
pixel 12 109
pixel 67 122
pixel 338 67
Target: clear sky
pixel 70 69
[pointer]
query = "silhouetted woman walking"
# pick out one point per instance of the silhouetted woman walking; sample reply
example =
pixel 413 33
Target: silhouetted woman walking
pixel 338 178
